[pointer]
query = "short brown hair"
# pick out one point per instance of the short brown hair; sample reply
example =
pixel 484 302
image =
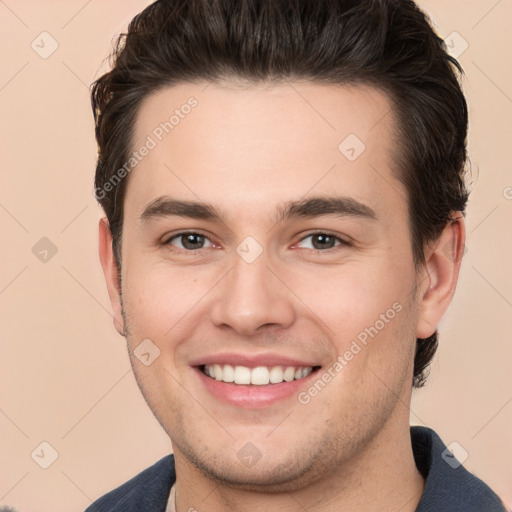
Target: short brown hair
pixel 388 44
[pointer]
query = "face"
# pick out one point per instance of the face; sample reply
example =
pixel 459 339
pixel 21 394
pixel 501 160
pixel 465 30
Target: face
pixel 259 233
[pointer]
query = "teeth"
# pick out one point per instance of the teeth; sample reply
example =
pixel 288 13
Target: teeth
pixel 276 375
pixel 259 376
pixel 289 374
pixel 242 375
pixel 227 374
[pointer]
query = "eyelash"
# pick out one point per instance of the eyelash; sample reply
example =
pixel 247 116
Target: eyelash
pixel 168 241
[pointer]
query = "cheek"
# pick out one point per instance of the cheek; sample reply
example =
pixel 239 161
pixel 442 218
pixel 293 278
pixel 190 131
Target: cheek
pixel 369 316
pixel 349 299
pixel 156 297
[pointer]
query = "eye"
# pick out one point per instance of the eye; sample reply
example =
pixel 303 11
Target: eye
pixel 188 241
pixel 323 241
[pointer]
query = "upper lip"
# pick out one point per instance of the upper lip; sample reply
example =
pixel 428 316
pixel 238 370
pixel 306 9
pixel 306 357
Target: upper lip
pixel 251 360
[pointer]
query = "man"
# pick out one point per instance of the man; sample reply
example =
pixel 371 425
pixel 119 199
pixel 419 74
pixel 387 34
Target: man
pixel 284 198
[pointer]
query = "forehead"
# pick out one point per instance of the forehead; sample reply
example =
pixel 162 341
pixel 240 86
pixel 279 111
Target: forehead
pixel 297 110
pixel 264 143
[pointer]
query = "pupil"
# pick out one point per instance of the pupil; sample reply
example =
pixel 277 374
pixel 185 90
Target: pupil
pixel 191 241
pixel 324 241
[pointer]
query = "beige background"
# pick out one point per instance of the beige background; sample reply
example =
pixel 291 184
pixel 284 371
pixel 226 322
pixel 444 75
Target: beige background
pixel 65 374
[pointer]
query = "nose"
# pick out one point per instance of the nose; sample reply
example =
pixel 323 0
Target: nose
pixel 252 297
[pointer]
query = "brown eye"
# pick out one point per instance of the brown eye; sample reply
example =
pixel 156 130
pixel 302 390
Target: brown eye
pixel 188 241
pixel 323 241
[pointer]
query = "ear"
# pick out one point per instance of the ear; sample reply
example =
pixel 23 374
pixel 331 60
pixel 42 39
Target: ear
pixel 439 279
pixel 111 274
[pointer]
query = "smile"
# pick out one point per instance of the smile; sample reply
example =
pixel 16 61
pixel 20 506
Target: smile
pixel 258 376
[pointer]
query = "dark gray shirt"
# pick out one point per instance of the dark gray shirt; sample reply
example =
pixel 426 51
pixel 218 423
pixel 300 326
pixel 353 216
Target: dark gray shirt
pixel 449 487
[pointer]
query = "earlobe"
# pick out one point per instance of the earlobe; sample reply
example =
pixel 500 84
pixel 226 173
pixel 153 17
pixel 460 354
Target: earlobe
pixel 443 260
pixel 110 272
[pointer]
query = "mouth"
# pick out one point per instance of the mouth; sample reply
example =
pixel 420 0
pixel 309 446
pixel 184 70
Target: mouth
pixel 257 376
pixel 254 381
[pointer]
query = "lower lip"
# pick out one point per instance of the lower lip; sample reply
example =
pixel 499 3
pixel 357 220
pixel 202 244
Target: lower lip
pixel 252 396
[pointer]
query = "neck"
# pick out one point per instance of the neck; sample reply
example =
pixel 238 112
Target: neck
pixel 381 478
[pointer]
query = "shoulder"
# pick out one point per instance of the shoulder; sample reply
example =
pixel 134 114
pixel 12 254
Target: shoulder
pixel 149 490
pixel 448 485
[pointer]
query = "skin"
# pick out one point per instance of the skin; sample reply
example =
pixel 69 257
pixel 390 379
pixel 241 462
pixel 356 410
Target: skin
pixel 248 150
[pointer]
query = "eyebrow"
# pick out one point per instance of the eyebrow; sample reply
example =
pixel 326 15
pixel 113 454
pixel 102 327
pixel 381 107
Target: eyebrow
pixel 305 208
